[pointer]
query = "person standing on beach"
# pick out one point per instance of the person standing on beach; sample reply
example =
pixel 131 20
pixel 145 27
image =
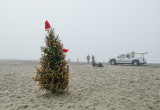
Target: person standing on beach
pixel 93 61
pixel 93 58
pixel 88 58
pixel 77 60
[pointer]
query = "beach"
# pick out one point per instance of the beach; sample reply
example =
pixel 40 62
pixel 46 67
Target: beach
pixel 112 87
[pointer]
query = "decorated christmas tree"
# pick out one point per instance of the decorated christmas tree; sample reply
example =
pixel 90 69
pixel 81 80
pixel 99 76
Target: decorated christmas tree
pixel 53 71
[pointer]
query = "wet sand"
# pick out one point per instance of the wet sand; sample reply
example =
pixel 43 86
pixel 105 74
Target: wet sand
pixel 118 87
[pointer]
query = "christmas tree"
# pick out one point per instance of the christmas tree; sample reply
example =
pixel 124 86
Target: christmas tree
pixel 52 73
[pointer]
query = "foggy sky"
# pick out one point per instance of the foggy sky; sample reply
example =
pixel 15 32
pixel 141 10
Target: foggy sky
pixel 104 28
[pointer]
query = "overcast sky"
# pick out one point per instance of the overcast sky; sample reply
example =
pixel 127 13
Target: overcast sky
pixel 104 28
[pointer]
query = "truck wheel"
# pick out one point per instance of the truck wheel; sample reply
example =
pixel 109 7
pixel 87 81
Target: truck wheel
pixel 136 63
pixel 113 62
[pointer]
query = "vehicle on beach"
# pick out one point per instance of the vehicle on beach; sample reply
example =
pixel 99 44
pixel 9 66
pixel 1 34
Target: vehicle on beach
pixel 136 59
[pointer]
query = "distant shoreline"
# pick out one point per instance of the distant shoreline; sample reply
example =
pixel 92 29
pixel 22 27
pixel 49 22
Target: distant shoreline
pixel 20 60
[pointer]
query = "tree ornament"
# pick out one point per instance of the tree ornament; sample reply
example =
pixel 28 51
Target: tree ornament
pixel 61 63
pixel 65 50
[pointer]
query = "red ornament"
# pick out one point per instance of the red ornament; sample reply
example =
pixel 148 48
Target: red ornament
pixel 61 63
pixel 65 50
pixel 47 26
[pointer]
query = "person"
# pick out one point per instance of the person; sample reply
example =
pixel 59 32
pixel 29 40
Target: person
pixel 94 63
pixel 88 58
pixel 77 60
pixel 93 58
pixel 100 64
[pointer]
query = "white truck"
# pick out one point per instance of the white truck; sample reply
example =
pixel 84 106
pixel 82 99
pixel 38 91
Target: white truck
pixel 130 58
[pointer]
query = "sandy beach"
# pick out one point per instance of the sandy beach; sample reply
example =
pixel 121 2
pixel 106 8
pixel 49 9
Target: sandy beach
pixel 118 87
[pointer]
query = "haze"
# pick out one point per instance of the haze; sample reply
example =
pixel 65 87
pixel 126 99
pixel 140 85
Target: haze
pixel 103 28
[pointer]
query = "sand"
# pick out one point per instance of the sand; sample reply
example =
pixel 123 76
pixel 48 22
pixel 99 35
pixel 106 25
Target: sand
pixel 118 87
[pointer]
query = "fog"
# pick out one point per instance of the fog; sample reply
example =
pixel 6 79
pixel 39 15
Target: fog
pixel 103 28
